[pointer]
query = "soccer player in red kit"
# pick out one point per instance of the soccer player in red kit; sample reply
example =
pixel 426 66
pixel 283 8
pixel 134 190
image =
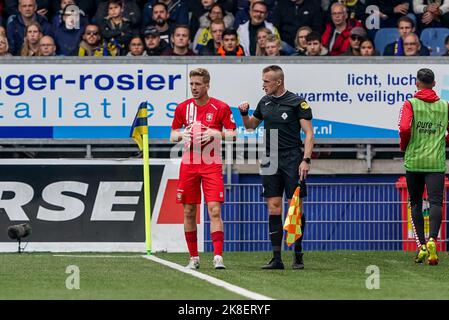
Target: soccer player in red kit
pixel 203 118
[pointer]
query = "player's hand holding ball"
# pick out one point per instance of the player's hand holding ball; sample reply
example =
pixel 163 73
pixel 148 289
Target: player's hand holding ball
pixel 187 134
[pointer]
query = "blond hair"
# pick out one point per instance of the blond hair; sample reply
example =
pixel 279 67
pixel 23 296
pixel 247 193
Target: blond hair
pixel 261 51
pixel 26 49
pixel 200 72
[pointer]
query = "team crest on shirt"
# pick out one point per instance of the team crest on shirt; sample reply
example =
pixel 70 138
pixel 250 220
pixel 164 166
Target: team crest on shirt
pixel 284 116
pixel 304 105
pixel 179 196
pixel 209 117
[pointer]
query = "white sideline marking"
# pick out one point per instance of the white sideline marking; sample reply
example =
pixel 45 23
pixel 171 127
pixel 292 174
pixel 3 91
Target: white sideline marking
pixel 92 256
pixel 215 281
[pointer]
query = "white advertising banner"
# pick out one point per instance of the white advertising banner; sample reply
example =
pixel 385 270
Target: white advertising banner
pixel 100 100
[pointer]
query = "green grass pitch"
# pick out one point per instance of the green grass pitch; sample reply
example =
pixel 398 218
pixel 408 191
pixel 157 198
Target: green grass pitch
pixel 328 275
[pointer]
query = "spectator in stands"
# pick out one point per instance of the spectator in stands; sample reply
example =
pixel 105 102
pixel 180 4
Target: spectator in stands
pixel 430 13
pixel 446 44
pixel 2 31
pixel 290 15
pixel 30 46
pixel 356 8
pixel 230 46
pixel 177 10
pixel 314 45
pixel 130 11
pixel 69 31
pixel 202 7
pixel 405 27
pixel 196 6
pixel 181 41
pixel 136 47
pixel 154 46
pixel 247 31
pixel 93 45
pixel 47 47
pixel 217 27
pixel 4 47
pixel 273 46
pixel 412 45
pixel 358 34
pixel 58 17
pixel 160 18
pixel 300 41
pixel 242 15
pixel 391 10
pixel 367 48
pixel 336 35
pixel 115 28
pixel 262 34
pixel 17 24
pixel 43 7
pixel 204 34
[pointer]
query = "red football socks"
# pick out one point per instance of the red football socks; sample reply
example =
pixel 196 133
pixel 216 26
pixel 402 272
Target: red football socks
pixel 217 241
pixel 192 243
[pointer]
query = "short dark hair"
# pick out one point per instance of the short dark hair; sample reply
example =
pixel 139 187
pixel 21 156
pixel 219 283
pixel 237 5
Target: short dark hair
pixel 117 2
pixel 406 19
pixel 180 26
pixel 262 2
pixel 229 32
pixel 92 25
pixel 313 36
pixel 160 4
pixel 425 76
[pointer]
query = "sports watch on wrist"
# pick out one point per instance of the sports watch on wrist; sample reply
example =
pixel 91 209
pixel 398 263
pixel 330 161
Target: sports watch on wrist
pixel 307 160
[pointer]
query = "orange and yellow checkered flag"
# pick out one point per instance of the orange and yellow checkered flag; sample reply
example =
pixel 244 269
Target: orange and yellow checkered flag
pixel 293 221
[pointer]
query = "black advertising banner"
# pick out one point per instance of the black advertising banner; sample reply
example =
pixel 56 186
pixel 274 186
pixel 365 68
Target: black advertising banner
pixel 67 202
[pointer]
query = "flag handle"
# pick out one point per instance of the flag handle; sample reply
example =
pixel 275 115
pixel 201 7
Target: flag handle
pixel 146 191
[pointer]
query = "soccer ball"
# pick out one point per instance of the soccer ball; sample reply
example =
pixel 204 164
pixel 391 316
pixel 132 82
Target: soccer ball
pixel 197 138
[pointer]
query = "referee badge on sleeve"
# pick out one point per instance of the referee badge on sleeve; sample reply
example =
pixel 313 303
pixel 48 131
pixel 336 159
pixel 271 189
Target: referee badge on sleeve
pixel 304 105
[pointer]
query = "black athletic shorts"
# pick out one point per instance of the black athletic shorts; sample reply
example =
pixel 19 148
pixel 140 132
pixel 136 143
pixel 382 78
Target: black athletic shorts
pixel 284 177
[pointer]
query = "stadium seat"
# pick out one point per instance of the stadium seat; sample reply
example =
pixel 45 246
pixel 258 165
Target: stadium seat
pixel 433 38
pixel 385 36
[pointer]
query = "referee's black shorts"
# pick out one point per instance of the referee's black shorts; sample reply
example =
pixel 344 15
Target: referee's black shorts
pixel 286 176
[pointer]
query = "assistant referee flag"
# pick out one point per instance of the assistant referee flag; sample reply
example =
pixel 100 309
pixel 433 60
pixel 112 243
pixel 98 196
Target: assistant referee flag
pixel 140 125
pixel 293 220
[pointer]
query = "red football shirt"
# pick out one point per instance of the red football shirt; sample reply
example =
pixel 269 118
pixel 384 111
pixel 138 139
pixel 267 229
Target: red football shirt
pixel 215 114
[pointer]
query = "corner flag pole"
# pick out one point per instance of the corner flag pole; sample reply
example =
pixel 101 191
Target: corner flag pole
pixel 146 191
pixel 139 133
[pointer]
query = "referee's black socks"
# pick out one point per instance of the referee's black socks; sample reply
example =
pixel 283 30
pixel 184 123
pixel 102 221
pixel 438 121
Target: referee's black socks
pixel 276 234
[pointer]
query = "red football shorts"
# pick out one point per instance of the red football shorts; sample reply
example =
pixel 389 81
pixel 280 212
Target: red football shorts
pixel 193 176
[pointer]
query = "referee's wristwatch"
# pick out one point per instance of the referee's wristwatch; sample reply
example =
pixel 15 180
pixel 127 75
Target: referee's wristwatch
pixel 307 160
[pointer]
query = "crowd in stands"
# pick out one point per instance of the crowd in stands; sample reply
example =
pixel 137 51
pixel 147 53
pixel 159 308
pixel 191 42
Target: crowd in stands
pixel 217 27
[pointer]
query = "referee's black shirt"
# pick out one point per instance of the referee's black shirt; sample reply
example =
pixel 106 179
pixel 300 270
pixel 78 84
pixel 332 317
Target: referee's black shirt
pixel 283 114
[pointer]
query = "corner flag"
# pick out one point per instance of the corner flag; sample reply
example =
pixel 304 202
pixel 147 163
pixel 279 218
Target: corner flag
pixel 139 132
pixel 140 125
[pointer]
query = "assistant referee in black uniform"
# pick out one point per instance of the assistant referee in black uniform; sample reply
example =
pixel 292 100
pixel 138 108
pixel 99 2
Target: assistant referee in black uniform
pixel 283 163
